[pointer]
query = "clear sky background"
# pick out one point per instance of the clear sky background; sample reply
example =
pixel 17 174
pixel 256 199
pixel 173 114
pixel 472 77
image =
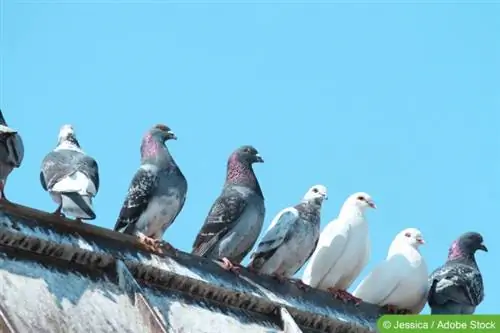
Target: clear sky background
pixel 397 100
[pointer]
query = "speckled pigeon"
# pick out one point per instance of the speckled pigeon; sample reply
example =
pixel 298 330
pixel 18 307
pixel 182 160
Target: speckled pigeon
pixel 398 283
pixel 70 176
pixel 457 286
pixel 235 219
pixel 11 153
pixel 156 194
pixel 343 249
pixel 291 238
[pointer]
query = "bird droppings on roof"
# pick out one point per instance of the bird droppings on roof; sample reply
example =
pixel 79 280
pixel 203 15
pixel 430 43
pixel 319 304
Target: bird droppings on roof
pixel 39 300
pixel 175 289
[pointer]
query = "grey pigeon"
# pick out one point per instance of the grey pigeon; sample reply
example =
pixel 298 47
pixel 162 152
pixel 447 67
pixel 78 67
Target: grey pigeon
pixel 70 176
pixel 457 286
pixel 291 238
pixel 157 192
pixel 235 219
pixel 11 152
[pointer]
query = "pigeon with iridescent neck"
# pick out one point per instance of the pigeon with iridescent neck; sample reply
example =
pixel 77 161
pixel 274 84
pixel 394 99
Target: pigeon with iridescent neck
pixel 235 219
pixel 11 153
pixel 457 286
pixel 156 194
pixel 291 238
pixel 70 176
pixel 343 249
pixel 399 283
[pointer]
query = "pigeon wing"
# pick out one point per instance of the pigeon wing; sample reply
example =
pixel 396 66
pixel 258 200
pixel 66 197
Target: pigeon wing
pixel 330 247
pixel 381 282
pixel 278 233
pixel 140 191
pixel 223 216
pixel 458 282
pixel 60 164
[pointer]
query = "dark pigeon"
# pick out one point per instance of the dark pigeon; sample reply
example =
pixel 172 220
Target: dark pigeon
pixel 235 219
pixel 11 152
pixel 70 176
pixel 457 286
pixel 291 238
pixel 157 192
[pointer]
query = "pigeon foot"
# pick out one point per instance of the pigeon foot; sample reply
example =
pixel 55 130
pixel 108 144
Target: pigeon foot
pixel 344 296
pixel 300 284
pixel 229 266
pixel 392 309
pixel 279 277
pixel 151 244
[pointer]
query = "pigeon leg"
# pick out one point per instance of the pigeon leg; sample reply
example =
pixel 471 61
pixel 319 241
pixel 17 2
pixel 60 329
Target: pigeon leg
pixel 392 309
pixel 58 212
pixel 300 284
pixel 344 296
pixel 149 243
pixel 229 266
pixel 2 193
pixel 279 277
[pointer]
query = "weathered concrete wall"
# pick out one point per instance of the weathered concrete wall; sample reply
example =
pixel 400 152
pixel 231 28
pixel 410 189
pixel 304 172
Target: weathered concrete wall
pixel 182 293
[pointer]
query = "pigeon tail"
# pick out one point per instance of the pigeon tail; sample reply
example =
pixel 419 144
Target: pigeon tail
pixel 451 309
pixel 79 206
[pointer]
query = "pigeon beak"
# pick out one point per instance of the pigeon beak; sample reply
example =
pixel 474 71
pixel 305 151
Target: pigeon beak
pixel 372 204
pixel 483 247
pixel 172 136
pixel 325 196
pixel 421 241
pixel 259 158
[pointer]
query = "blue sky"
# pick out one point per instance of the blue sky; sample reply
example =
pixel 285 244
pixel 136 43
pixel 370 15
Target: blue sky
pixel 397 100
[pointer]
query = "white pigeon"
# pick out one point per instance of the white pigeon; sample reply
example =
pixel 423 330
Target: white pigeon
pixel 399 282
pixel 343 249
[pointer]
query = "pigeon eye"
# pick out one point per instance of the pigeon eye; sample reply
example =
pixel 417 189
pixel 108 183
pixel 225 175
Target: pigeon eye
pixel 315 190
pixel 408 234
pixel 360 198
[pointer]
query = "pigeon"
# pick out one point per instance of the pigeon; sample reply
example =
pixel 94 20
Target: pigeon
pixel 457 286
pixel 70 176
pixel 400 282
pixel 156 194
pixel 291 238
pixel 236 217
pixel 11 153
pixel 343 249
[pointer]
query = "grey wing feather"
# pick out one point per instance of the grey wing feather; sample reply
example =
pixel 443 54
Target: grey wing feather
pixel 13 145
pixel 223 216
pixel 456 282
pixel 279 232
pixel 60 164
pixel 137 200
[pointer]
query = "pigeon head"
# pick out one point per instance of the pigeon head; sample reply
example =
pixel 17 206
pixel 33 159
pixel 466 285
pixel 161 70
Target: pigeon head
pixel 239 167
pixel 467 245
pixel 316 195
pixel 247 155
pixel 67 135
pixel 162 133
pixel 361 200
pixel 411 236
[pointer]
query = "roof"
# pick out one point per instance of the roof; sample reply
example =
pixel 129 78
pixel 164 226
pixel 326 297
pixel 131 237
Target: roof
pixel 59 275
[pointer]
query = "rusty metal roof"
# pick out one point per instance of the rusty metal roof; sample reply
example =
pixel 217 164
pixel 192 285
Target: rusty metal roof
pixel 58 275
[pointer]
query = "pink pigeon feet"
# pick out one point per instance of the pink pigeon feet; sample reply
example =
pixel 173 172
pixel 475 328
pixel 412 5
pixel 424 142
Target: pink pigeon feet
pixel 392 309
pixel 229 266
pixel 59 212
pixel 278 277
pixel 344 296
pixel 301 285
pixel 157 245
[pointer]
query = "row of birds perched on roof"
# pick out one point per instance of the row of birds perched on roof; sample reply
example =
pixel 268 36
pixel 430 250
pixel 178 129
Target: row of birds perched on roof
pixel 335 257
